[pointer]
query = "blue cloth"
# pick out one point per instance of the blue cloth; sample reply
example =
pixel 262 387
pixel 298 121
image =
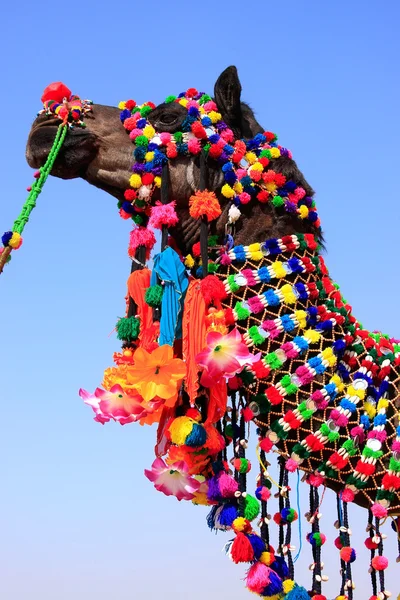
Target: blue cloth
pixel 170 270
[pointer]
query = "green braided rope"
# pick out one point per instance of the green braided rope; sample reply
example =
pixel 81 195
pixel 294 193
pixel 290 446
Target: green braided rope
pixel 30 203
pixel 37 187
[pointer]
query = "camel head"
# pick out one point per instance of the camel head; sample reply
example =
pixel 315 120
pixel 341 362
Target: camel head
pixel 102 154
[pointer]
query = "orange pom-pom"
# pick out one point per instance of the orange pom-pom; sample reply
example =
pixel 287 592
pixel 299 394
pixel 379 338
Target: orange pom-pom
pixel 204 204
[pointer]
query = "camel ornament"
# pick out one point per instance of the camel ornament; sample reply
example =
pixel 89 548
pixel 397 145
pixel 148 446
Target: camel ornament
pixel 237 322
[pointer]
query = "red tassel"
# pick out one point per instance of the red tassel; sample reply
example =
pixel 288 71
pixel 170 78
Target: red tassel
pixel 241 549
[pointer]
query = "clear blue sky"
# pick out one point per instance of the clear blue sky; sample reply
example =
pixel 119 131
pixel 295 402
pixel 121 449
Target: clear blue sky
pixel 78 518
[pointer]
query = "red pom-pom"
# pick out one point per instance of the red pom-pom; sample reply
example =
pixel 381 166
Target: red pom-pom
pixel 319 597
pixel 172 152
pixel 348 554
pixel 196 249
pixel 263 196
pixel 348 495
pixel 130 195
pixel 379 563
pixel 260 369
pixel 370 544
pixel 198 130
pixel 147 178
pixel 130 104
pixel 338 543
pixel 248 414
pixel 213 289
pixel 191 93
pixel 215 151
pixel 56 91
pixel 266 444
pixel 241 549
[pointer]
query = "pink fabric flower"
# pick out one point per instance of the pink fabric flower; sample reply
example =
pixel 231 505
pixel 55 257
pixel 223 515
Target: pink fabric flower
pixel 173 480
pixel 225 356
pixel 116 405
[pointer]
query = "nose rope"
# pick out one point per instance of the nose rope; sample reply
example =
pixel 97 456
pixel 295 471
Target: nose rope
pixel 12 240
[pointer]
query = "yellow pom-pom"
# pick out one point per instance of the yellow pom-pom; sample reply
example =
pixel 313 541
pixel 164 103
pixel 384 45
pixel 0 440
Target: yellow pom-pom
pixel 227 191
pixel 149 131
pixel 135 181
pixel 312 336
pixel 288 585
pixel 122 105
pixel 240 524
pixel 201 110
pixel 301 317
pixel 250 157
pixel 303 212
pixel 267 558
pixel 237 186
pixel 15 241
pixel 180 429
pixel 149 156
pixel 289 296
pixel 328 355
pixel 157 181
pixel 382 403
pixel 183 102
pixel 257 167
pixel 215 116
pixel 278 269
pixel 189 261
pixel 271 186
pixel 338 382
pixel 275 152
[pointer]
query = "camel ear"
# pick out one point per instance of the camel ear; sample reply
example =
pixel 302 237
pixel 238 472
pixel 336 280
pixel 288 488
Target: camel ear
pixel 227 92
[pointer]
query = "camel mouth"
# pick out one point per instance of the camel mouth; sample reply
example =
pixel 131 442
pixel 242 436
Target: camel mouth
pixel 78 149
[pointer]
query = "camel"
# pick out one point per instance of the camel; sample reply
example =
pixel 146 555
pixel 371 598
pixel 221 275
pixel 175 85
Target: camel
pixel 324 400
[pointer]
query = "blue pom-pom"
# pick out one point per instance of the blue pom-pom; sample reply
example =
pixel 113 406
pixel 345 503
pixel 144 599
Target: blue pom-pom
pixel 197 436
pixel 230 177
pixel 128 208
pixel 297 593
pixel 312 216
pixel 290 186
pixel 206 122
pixel 6 237
pixel 214 138
pixel 139 153
pixel 141 123
pixel 227 515
pixel 194 112
pixel 257 544
pixel 228 149
pixel 125 114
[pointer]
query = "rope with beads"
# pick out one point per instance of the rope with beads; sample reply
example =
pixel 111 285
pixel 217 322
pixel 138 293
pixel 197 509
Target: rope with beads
pixel 12 239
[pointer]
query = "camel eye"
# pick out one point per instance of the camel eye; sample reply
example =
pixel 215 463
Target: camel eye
pixel 167 119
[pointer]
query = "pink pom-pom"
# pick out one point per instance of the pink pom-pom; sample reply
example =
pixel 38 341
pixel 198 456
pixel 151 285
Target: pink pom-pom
pixel 210 105
pixel 225 259
pixel 379 563
pixel 377 435
pixel 291 465
pixel 241 173
pixel 266 444
pixel 379 511
pixel 165 138
pixel 141 236
pixel 299 193
pixel 244 198
pixel 396 446
pixel 315 479
pixel 163 214
pixel 227 135
pixel 194 146
pixel 340 419
pixel 348 495
pixel 227 485
pixel 258 577
pixel 135 133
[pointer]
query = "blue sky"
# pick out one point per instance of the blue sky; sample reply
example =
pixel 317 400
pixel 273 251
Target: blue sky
pixel 78 517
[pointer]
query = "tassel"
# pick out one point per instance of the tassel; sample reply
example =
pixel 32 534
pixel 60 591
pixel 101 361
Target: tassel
pixel 138 282
pixel 258 577
pixel 193 336
pixel 241 549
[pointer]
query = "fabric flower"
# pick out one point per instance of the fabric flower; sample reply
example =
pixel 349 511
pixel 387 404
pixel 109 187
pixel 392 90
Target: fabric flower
pixel 115 404
pixel 225 356
pixel 173 480
pixel 157 374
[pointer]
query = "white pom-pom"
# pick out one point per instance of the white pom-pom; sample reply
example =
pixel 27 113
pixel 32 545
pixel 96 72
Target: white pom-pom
pixel 234 214
pixel 144 192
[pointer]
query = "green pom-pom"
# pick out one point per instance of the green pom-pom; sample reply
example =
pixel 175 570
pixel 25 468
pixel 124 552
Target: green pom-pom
pixel 154 295
pixel 142 140
pixel 251 508
pixel 228 431
pixel 144 111
pixel 212 241
pixel 213 267
pixel 170 99
pixel 178 136
pixel 138 219
pixel 204 98
pixel 242 312
pixel 128 329
pixel 277 201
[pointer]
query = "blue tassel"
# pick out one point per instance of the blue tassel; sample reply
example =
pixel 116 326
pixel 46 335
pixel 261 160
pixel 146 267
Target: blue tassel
pixel 274 586
pixel 257 544
pixel 227 515
pixel 211 518
pixel 280 567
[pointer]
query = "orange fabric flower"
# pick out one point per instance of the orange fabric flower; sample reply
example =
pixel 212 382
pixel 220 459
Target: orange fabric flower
pixel 157 374
pixel 204 204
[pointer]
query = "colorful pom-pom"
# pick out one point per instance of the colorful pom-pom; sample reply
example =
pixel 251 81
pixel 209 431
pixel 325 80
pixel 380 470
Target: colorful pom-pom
pixel 128 329
pixel 379 563
pixel 204 204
